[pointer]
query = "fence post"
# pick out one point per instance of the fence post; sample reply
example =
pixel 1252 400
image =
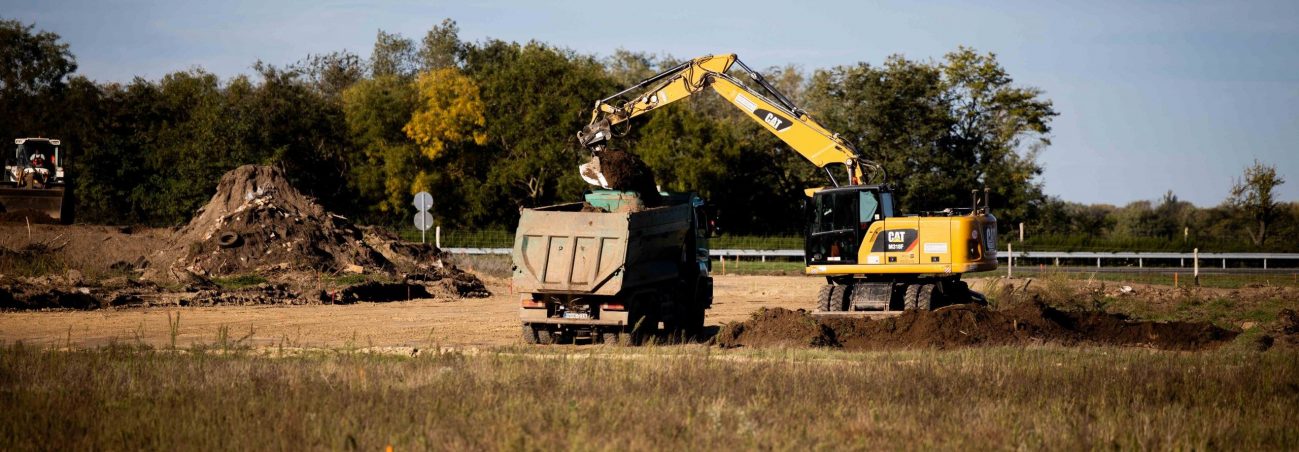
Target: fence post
pixel 437 236
pixel 1098 262
pixel 1141 263
pixel 1010 260
pixel 1195 260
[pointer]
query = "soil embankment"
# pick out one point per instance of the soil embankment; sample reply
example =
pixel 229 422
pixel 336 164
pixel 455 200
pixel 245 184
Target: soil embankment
pixel 965 326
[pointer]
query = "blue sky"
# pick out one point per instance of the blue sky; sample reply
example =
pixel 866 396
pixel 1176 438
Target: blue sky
pixel 1153 96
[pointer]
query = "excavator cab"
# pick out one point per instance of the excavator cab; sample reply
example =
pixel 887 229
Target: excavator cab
pixel 838 219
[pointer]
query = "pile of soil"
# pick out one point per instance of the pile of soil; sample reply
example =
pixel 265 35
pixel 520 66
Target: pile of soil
pixel 965 326
pixel 258 223
pixel 625 171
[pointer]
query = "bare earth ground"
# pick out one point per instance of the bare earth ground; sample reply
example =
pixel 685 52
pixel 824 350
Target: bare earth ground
pixel 420 323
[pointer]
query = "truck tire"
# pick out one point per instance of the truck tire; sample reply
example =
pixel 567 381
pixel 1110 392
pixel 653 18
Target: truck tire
pixel 611 337
pixel 909 297
pixel 644 324
pixel 545 336
pixel 529 335
pixel 685 325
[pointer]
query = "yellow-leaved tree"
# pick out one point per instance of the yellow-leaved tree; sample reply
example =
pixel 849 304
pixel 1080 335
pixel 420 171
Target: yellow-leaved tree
pixel 449 112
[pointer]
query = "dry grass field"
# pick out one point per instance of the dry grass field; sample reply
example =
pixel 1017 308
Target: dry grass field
pixel 221 396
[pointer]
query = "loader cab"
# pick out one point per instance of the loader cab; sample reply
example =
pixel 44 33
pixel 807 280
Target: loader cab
pixel 839 217
pixel 24 157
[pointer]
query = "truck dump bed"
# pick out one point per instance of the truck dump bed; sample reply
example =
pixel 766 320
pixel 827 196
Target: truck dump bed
pixel 562 249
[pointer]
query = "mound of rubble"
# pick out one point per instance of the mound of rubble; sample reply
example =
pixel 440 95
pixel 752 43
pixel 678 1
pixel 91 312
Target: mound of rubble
pixel 258 223
pixel 966 326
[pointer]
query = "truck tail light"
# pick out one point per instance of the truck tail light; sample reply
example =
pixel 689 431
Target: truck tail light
pixel 529 303
pixel 615 307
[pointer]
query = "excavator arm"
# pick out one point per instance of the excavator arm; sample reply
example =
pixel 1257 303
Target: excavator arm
pixel 774 111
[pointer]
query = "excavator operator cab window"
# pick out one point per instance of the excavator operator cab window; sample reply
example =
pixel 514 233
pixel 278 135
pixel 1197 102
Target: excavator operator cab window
pixel 868 208
pixel 886 201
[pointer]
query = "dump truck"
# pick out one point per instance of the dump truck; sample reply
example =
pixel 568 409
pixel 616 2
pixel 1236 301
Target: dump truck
pixel 612 269
pixel 34 183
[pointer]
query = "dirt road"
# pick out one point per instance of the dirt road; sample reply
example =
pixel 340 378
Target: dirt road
pixel 421 323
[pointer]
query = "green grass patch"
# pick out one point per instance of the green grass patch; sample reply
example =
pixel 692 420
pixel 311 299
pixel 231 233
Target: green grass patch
pixel 654 398
pixel 239 281
pixel 755 266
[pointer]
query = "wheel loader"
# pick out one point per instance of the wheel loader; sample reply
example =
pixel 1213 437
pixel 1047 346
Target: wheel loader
pixel 34 184
pixel 874 258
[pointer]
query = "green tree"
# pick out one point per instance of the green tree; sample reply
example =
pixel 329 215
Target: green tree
pixel 1001 126
pixel 941 129
pixel 333 72
pixel 441 47
pixel 1252 195
pixel 536 98
pixel 393 56
pixel 375 112
pixel 34 67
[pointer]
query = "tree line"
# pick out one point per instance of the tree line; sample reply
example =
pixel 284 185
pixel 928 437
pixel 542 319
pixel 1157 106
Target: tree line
pixel 489 127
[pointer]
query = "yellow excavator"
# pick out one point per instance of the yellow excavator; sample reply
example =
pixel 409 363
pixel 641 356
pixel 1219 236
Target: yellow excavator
pixel 873 257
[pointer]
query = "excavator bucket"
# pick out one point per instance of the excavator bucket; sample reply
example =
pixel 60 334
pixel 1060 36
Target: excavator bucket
pixel 590 172
pixel 37 205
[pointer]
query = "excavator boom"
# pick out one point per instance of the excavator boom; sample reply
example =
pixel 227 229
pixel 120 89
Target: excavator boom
pixel 772 110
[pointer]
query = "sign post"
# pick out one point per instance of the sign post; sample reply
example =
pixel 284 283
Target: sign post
pixel 423 220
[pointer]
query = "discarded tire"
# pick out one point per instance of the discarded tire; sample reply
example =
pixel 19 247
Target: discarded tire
pixel 228 240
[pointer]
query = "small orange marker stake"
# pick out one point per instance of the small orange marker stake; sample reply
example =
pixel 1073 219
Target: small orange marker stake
pixel 1174 280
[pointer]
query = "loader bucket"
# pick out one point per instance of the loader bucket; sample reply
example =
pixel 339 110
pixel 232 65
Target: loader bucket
pixel 37 205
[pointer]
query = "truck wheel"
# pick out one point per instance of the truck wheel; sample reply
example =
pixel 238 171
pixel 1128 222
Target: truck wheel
pixel 529 335
pixel 695 328
pixel 612 337
pixel 545 336
pixel 644 328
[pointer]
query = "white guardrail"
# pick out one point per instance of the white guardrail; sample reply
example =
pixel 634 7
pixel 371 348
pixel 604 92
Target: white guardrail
pixel 1139 257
